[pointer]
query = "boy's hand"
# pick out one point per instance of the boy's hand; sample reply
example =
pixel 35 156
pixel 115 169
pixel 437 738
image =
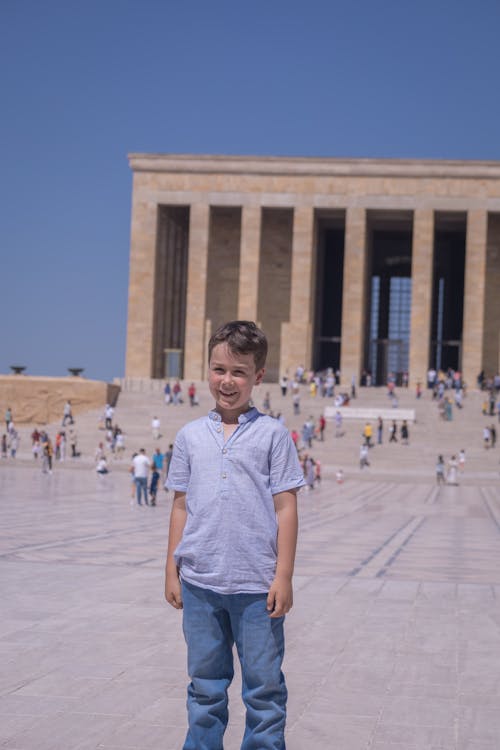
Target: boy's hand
pixel 173 592
pixel 280 597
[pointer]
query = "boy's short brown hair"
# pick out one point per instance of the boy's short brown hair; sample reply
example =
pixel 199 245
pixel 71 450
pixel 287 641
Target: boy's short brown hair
pixel 242 337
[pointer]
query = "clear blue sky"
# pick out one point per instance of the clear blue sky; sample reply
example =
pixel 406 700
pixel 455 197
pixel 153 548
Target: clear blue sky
pixel 83 83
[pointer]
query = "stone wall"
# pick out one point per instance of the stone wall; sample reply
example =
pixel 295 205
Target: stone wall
pixel 223 266
pixel 274 281
pixel 491 353
pixel 40 400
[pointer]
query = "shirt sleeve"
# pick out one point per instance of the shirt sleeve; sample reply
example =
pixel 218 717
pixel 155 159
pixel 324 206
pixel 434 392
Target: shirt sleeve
pixel 286 472
pixel 179 470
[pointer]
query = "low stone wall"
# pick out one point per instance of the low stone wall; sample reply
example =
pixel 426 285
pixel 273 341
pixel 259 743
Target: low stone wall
pixel 40 400
pixel 370 414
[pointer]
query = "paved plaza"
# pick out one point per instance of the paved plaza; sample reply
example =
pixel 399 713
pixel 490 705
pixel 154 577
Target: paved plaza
pixel 393 642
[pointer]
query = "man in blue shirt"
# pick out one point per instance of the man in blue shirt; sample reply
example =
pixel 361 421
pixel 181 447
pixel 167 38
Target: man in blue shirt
pixel 231 550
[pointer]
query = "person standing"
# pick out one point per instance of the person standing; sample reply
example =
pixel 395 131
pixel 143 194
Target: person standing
pixel 108 416
pixel 168 393
pixel 461 460
pixel 192 394
pixel 158 460
pixel 451 477
pixel 231 547
pixel 67 414
pixel 380 430
pixel 176 392
pixel 493 435
pixel 363 456
pixel 155 428
pixel 321 427
pixel 486 436
pixel 440 470
pixel 405 433
pixel 168 457
pixel 367 434
pixel 393 432
pixel 140 467
pixel 338 424
pixel 283 385
pixel 73 441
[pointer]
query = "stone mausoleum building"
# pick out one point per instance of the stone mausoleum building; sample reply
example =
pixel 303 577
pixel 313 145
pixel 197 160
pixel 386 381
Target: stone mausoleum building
pixel 382 265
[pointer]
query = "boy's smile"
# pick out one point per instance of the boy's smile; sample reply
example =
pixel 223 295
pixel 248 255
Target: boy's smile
pixel 231 378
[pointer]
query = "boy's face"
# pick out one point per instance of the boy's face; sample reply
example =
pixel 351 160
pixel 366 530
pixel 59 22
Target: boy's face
pixel 231 378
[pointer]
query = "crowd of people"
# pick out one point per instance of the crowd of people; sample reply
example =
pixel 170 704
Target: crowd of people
pixel 447 388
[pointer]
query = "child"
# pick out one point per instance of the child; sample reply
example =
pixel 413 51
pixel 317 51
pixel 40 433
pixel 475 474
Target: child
pixel 231 549
pixel 153 486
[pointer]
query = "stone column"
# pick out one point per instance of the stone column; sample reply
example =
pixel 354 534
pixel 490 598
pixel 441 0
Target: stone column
pixel 296 344
pixel 354 295
pixel 249 263
pixel 421 294
pixel 141 294
pixel 195 344
pixel 474 295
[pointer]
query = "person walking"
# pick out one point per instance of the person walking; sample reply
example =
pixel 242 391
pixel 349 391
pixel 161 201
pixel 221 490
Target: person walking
pixel 155 428
pixel 380 430
pixel 338 424
pixel 321 427
pixel 493 435
pixel 405 433
pixel 440 470
pixel 363 456
pixel 451 477
pixel 192 394
pixel 141 465
pixel 393 432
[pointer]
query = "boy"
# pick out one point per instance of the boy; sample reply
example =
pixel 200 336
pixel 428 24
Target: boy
pixel 231 549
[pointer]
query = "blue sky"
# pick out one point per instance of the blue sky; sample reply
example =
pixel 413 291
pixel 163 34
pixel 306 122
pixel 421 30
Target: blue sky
pixel 85 83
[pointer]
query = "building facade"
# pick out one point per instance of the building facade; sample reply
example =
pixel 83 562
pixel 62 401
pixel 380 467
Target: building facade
pixel 370 265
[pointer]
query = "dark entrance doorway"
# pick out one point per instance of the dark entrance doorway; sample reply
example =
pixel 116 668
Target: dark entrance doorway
pixel 389 311
pixel 329 286
pixel 448 291
pixel 170 291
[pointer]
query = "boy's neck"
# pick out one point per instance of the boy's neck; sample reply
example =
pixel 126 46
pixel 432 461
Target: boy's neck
pixel 231 417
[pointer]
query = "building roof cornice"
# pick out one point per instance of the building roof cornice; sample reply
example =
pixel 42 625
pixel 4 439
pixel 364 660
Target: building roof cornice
pixel 314 166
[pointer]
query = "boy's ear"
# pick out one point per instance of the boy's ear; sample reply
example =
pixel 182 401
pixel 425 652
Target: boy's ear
pixel 259 376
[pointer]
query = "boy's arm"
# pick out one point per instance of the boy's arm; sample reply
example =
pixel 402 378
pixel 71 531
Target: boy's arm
pixel 177 522
pixel 280 596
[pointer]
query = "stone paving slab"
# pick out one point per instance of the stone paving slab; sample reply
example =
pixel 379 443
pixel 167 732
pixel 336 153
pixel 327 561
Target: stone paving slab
pixel 394 640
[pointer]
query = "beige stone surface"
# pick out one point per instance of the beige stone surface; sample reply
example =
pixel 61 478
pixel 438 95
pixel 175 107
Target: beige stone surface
pixel 41 400
pixel 354 294
pixel 141 288
pixel 275 281
pixel 256 185
pixel 194 355
pixel 248 287
pixel 474 294
pixel 223 265
pixel 296 334
pixel 491 353
pixel 421 294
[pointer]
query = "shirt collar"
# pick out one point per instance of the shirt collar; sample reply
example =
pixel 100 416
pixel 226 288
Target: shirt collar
pixel 247 416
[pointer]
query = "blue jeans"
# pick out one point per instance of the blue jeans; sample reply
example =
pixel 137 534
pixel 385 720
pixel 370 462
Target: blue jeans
pixel 212 623
pixel 141 485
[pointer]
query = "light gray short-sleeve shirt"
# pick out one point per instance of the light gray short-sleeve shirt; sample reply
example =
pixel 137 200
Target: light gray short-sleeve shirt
pixel 229 540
